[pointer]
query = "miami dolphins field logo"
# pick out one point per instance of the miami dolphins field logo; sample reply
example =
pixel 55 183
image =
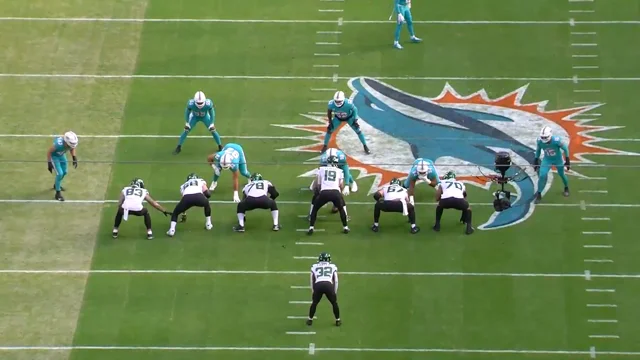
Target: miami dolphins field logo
pixel 460 133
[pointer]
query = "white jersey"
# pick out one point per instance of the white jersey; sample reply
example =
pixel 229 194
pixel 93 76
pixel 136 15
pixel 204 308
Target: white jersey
pixel 452 189
pixel 329 178
pixel 133 198
pixel 394 192
pixel 257 189
pixel 193 186
pixel 324 271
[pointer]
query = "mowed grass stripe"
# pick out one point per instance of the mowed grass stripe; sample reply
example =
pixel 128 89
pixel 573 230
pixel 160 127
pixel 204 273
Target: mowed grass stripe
pixel 45 310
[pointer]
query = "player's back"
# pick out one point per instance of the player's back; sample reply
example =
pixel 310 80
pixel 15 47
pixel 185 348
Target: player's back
pixel 257 188
pixel 324 271
pixel 330 177
pixel 192 186
pixel 394 193
pixel 452 189
pixel 133 197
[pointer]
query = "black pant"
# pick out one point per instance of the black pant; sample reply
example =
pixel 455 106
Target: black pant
pixel 454 203
pixel 324 288
pixel 324 197
pixel 189 201
pixel 393 206
pixel 144 212
pixel 251 203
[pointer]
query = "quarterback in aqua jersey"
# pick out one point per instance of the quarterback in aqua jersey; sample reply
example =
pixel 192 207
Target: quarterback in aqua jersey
pixel 342 165
pixel 199 109
pixel 342 110
pixel 553 147
pixel 402 8
pixel 57 159
pixel 231 157
pixel 421 169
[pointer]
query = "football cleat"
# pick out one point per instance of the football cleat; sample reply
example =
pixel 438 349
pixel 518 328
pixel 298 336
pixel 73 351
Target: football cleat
pixel 149 236
pixel 366 150
pixel 345 230
pixel 354 187
pixel 566 191
pixel 59 196
pixel 238 228
pixel 324 148
pixel 219 147
pixel 276 228
pixel 338 322
pixel 309 322
pixel 469 230
pixel 114 233
pixel 375 228
pixel 310 231
pixel 177 150
pixel 213 186
pixel 171 233
pixel 415 39
pixel 436 227
pixel 415 230
pixel 397 45
pixel 208 226
pixel 538 198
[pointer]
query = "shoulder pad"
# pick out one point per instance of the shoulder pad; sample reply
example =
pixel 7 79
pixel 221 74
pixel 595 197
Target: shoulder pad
pixel 208 102
pixel 330 103
pixel 191 102
pixel 556 138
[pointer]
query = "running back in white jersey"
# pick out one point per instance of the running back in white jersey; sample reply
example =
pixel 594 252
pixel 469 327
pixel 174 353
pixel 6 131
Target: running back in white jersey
pixel 257 189
pixel 330 177
pixel 394 192
pixel 452 189
pixel 324 271
pixel 133 198
pixel 193 186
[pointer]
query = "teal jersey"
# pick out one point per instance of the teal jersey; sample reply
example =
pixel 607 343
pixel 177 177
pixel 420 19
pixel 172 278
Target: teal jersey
pixel 60 149
pixel 345 112
pixel 192 109
pixel 342 158
pixel 432 173
pixel 553 149
pixel 400 3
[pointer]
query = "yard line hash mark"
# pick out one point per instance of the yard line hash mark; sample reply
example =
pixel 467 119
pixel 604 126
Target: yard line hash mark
pixel 602 305
pixel 300 302
pixel 596 233
pixel 301 332
pixel 602 290
pixel 604 336
pixel 602 321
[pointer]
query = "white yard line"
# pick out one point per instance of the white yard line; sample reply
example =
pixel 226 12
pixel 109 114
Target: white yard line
pixel 300 332
pixel 309 242
pixel 300 302
pixel 596 233
pixel 598 260
pixel 305 257
pixel 604 337
pixel 602 320
pixel 602 305
pixel 597 246
pixel 601 290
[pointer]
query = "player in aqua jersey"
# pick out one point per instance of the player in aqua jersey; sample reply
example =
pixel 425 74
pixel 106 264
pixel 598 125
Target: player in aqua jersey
pixel 199 109
pixel 402 8
pixel 342 164
pixel 342 110
pixel 231 157
pixel 553 147
pixel 57 159
pixel 421 169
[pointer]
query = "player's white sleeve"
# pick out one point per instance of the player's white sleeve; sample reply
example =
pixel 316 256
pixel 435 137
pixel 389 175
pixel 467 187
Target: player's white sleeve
pixel 335 281
pixel 311 280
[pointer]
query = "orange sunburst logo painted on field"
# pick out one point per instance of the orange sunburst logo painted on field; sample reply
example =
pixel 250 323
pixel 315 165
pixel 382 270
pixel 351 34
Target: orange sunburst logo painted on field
pixel 457 132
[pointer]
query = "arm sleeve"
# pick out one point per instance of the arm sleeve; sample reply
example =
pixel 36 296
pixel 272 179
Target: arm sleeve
pixel 212 112
pixel 335 281
pixel 311 280
pixel 273 192
pixel 565 148
pixel 355 112
pixel 187 112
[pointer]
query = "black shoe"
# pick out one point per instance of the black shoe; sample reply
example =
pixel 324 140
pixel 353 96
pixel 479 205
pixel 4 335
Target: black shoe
pixel 375 228
pixel 59 196
pixel 469 230
pixel 415 230
pixel 310 231
pixel 324 148
pixel 54 187
pixel 338 322
pixel 538 198
pixel 114 233
pixel 436 227
pixel 366 150
pixel 177 150
pixel 276 227
pixel 309 322
pixel 238 228
pixel 566 192
pixel 219 147
pixel 345 230
pixel 149 236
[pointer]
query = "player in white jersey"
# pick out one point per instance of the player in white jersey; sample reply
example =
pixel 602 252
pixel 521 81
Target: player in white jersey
pixel 194 193
pixel 394 198
pixel 452 194
pixel 324 281
pixel 330 184
pixel 130 203
pixel 258 194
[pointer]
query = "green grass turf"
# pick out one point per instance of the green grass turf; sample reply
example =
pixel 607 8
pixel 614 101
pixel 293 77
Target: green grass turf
pixel 425 311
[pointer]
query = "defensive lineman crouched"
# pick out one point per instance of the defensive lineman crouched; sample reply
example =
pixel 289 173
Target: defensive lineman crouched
pixel 330 184
pixel 452 194
pixel 324 281
pixel 131 199
pixel 194 193
pixel 394 198
pixel 258 194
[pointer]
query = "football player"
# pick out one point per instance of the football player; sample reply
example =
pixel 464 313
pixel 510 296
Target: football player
pixel 394 198
pixel 231 157
pixel 324 282
pixel 194 193
pixel 330 184
pixel 452 194
pixel 258 194
pixel 131 198
pixel 553 148
pixel 57 159
pixel 422 169
pixel 402 8
pixel 199 109
pixel 340 110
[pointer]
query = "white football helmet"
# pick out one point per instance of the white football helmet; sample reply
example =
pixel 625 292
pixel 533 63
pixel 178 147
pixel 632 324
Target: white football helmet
pixel 423 169
pixel 71 139
pixel 338 98
pixel 199 98
pixel 545 134
pixel 332 152
pixel 226 160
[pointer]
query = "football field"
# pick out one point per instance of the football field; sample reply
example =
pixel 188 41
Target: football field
pixel 559 280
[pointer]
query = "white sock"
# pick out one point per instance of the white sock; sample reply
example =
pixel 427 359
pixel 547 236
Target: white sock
pixel 208 219
pixel 241 219
pixel 310 227
pixel 413 225
pixel 274 215
pixel 345 210
pixel 149 231
pixel 376 224
pixel 173 226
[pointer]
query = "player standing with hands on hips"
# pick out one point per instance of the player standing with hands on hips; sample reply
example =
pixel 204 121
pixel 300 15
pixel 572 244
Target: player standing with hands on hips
pixel 402 8
pixel 324 282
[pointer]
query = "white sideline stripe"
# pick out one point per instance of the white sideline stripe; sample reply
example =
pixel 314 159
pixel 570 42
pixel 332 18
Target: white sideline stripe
pixel 585 67
pixel 582 11
pixel 602 321
pixel 325 54
pixel 593 178
pixel 326 66
pixel 42 201
pixel 584 56
pixel 323 43
pixel 602 290
pixel 322 89
pixel 306 349
pixel 584 44
pixel 297 287
pixel 594 191
pixel 283 77
pixel 301 333
pixel 587 90
pixel 331 10
pixel 308 242
pixel 596 218
pixel 300 21
pixel 305 258
pixel 300 302
pixel 604 337
pixel 142 136
pixel 602 305
pixel 328 32
pixel 355 273
pixel 598 260
pixel 300 317
pixel 583 33
pixel 598 246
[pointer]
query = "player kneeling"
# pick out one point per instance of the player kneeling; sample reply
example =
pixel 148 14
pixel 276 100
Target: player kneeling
pixel 330 184
pixel 131 199
pixel 451 194
pixel 394 198
pixel 258 194
pixel 194 193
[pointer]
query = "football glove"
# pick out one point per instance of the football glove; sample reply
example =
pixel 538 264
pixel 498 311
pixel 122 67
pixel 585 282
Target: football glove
pixel 166 213
pixel 536 165
pixel 567 163
pixel 400 19
pixel 236 198
pixel 345 191
pixel 411 200
pixel 75 162
pixel 50 166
